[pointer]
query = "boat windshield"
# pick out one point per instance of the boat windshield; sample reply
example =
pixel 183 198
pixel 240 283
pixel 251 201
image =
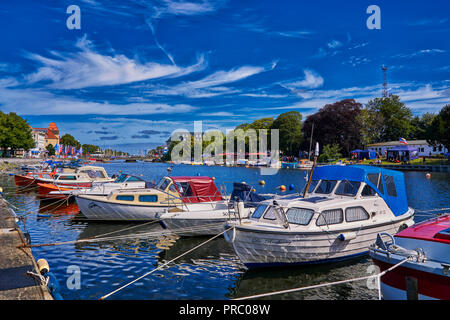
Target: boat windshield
pixel 122 178
pixel 312 186
pixel 162 185
pixel 259 211
pixel 348 188
pixel 325 186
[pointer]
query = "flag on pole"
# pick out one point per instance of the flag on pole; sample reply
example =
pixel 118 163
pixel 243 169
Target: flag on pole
pixel 403 140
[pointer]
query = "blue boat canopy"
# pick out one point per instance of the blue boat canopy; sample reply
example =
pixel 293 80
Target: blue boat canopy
pixel 389 184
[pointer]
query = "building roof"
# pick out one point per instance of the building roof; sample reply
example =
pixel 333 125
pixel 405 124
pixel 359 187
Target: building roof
pixel 51 135
pixel 398 143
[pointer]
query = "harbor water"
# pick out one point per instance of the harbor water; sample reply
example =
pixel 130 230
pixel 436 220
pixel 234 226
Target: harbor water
pixel 212 271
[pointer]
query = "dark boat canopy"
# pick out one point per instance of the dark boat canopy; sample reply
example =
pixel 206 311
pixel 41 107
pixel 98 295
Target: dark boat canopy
pixel 245 193
pixel 197 189
pixel 389 184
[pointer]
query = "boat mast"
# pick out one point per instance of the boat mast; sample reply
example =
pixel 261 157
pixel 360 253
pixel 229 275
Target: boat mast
pixel 310 142
pixel 316 154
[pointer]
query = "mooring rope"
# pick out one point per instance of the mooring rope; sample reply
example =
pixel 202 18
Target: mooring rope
pixel 163 265
pixel 149 235
pixel 377 276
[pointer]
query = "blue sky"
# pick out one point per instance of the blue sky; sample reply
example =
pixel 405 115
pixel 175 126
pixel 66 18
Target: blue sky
pixel 137 70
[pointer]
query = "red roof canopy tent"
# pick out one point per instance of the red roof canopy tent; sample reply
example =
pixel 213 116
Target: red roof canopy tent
pixel 197 189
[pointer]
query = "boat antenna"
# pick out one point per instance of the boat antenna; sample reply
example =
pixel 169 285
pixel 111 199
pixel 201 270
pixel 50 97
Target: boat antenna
pixel 316 154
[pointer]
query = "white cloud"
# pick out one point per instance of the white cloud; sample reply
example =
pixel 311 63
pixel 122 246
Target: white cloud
pixel 312 80
pixel 333 44
pixel 40 102
pixel 88 68
pixel 212 85
pixel 419 53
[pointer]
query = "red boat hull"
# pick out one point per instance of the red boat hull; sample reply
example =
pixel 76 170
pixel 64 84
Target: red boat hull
pixel 23 181
pixel 429 285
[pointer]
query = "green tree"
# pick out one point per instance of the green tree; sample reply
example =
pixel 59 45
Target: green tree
pixel 330 152
pixel 335 123
pixel 69 140
pixel 90 148
pixel 15 133
pixel 439 130
pixel 51 149
pixel 387 119
pixel 289 125
pixel 420 126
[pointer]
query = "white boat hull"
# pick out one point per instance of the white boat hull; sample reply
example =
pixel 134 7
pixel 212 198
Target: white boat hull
pixel 102 210
pixel 198 223
pixel 273 248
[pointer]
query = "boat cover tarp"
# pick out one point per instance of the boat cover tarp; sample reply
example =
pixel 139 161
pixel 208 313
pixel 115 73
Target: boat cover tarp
pixel 245 193
pixel 203 189
pixel 398 204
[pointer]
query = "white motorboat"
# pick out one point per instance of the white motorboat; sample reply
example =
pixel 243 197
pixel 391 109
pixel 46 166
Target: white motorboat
pixel 124 181
pixel 341 217
pixel 171 193
pixel 83 177
pixel 242 202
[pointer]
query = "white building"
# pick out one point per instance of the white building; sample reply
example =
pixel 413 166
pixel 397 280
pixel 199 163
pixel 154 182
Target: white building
pixel 39 144
pixel 424 148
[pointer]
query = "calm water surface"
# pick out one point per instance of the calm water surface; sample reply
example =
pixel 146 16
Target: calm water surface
pixel 211 272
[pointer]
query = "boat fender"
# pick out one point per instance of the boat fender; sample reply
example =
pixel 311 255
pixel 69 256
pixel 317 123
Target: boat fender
pixel 240 208
pixel 43 266
pixel 53 285
pixel 347 236
pixel 405 225
pixel 229 238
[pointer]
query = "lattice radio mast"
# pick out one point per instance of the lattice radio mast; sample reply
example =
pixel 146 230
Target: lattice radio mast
pixel 385 90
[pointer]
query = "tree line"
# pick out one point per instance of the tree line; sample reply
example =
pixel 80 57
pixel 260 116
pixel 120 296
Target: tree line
pixel 347 125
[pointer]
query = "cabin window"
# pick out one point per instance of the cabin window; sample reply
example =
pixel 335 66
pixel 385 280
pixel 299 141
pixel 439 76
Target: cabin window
pixel 99 174
pixel 148 198
pixel 185 189
pixel 356 214
pixel 328 217
pixel 312 186
pixel 390 186
pixel 125 198
pixel 299 216
pixel 375 178
pixel 348 188
pixel 270 214
pixel 326 186
pixel 259 211
pixel 67 178
pixel 172 188
pixel 368 191
pixel 133 178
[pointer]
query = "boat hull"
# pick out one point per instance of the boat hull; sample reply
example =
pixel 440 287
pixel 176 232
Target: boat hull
pixel 258 248
pixel 23 181
pixel 106 211
pixel 191 224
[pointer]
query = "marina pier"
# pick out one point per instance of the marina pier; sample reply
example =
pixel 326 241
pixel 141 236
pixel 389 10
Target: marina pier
pixel 16 262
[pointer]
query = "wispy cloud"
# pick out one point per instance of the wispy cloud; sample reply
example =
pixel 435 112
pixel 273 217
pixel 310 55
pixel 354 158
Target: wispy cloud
pixel 40 102
pixel 333 44
pixel 89 68
pixel 212 85
pixel 418 53
pixel 311 80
